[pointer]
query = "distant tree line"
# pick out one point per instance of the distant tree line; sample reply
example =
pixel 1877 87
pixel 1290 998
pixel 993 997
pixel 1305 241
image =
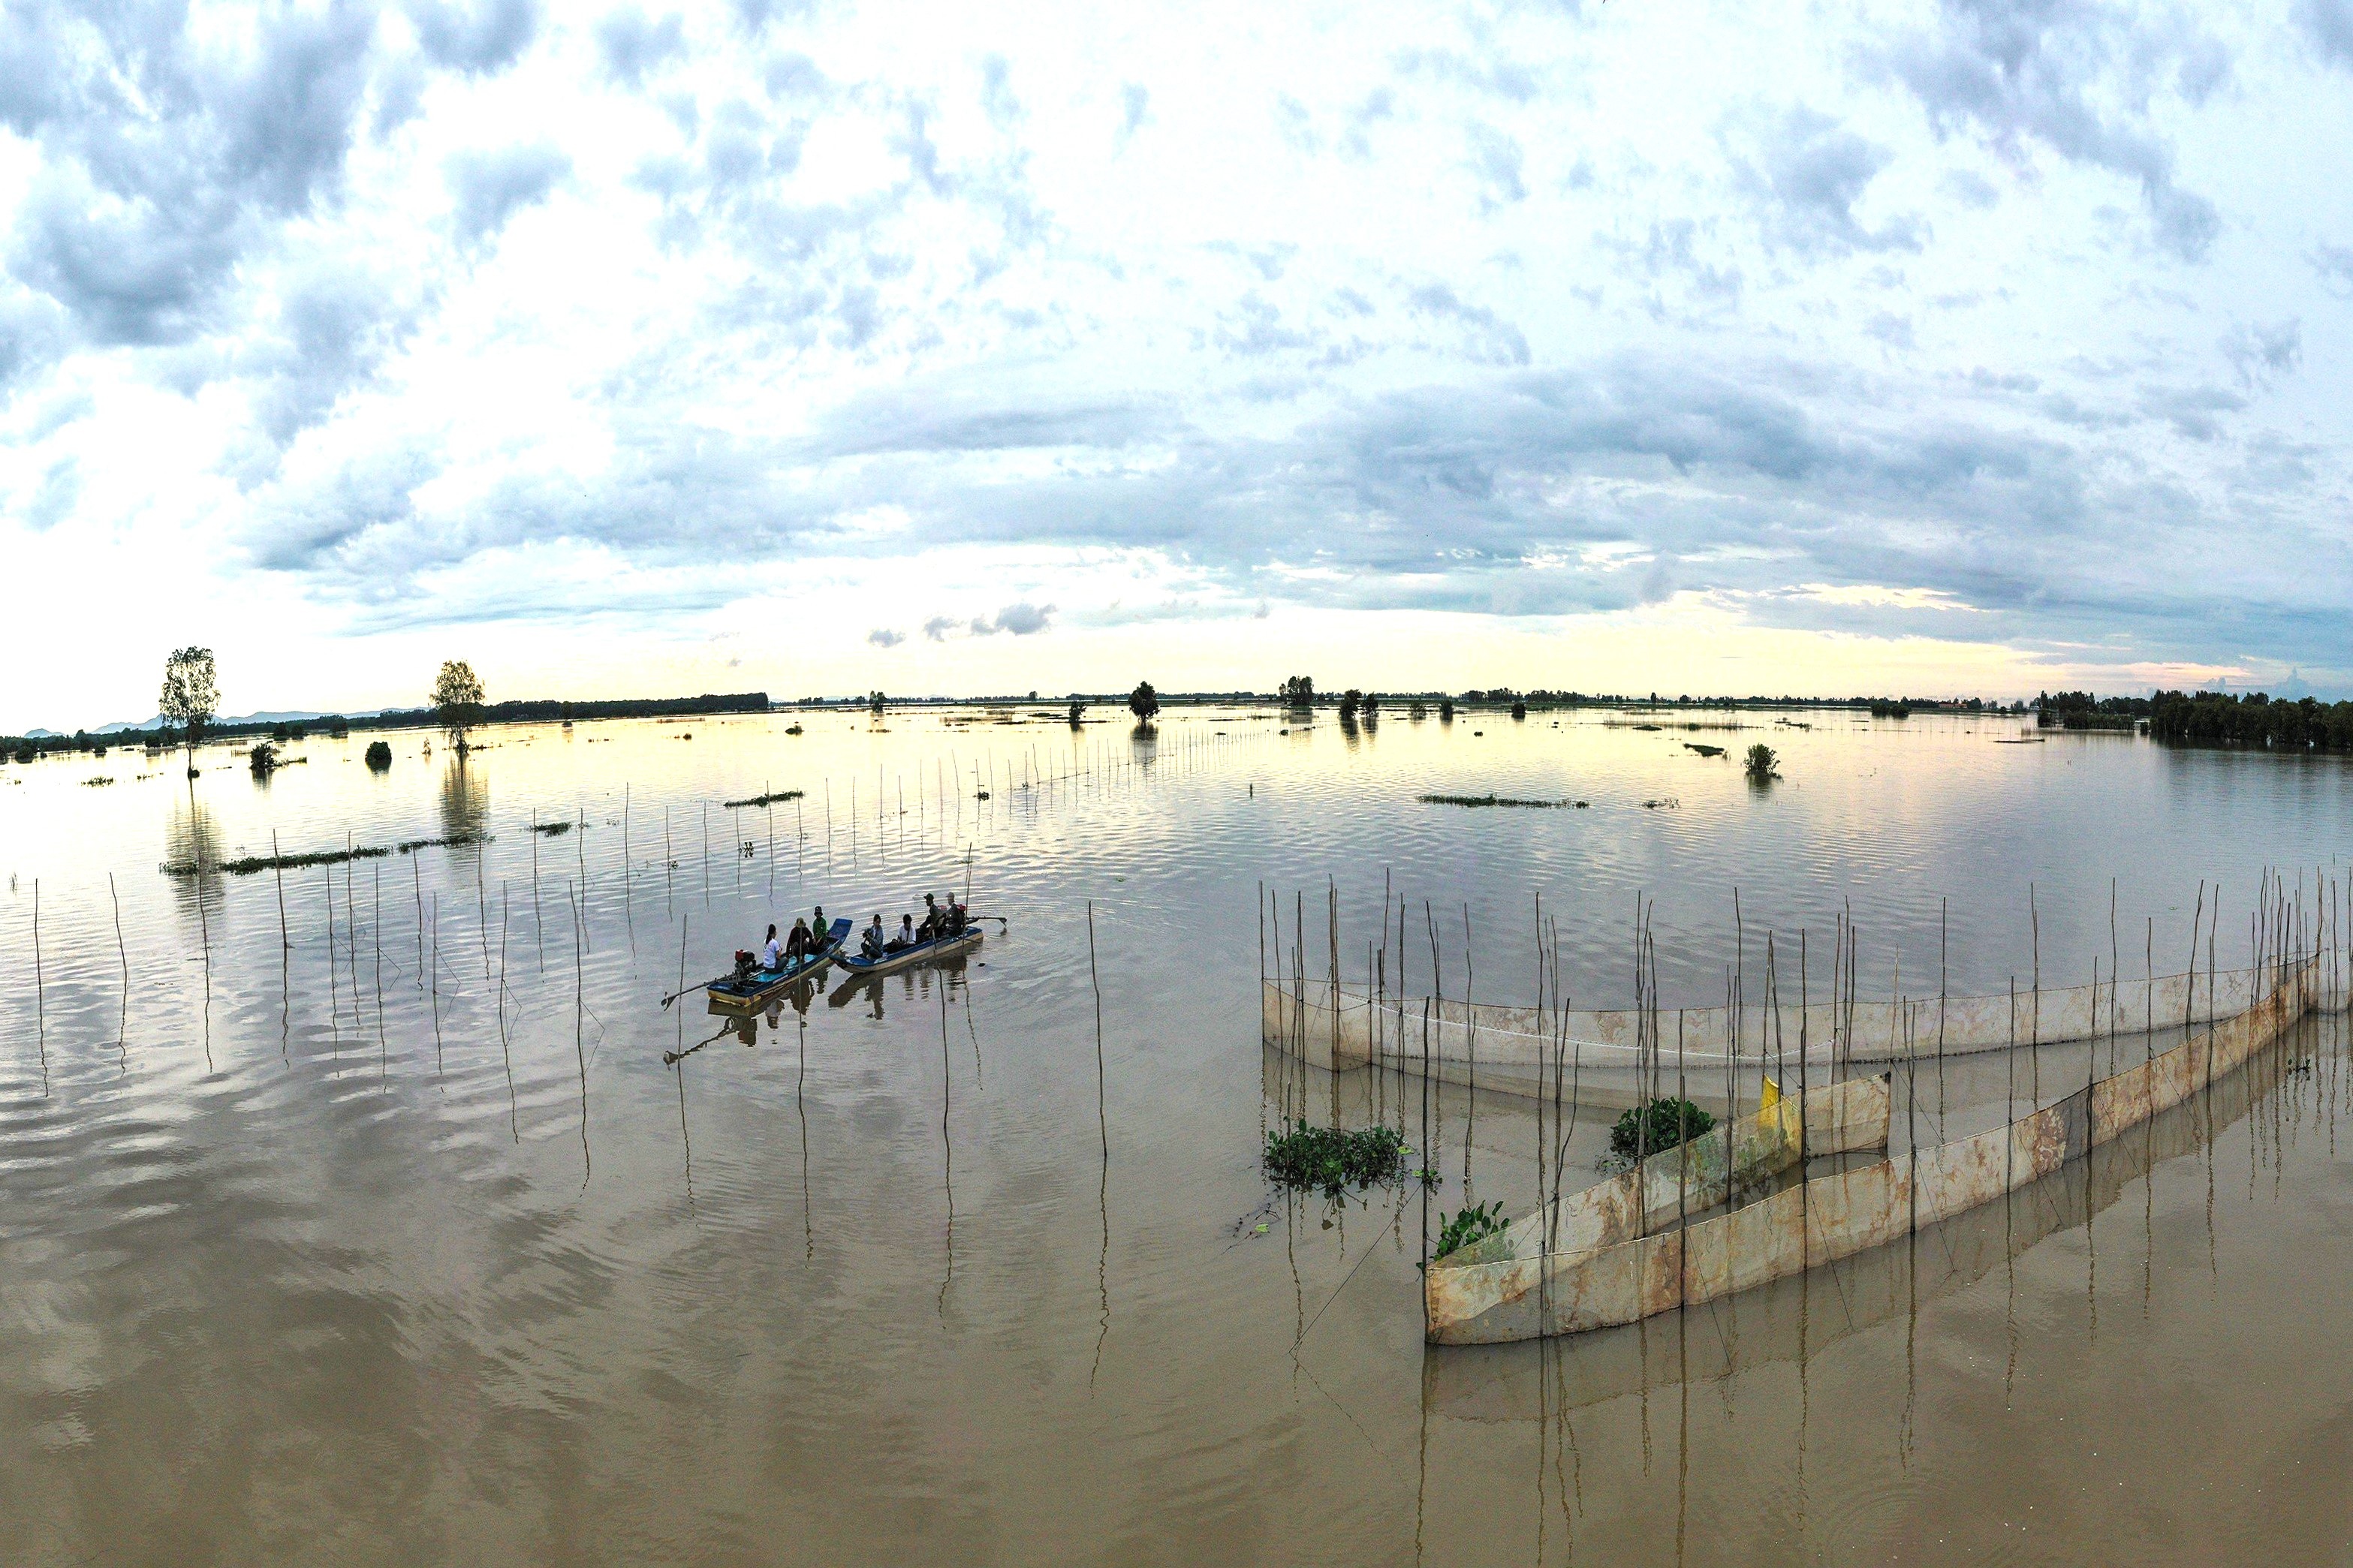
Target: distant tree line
pixel 27 748
pixel 2082 710
pixel 2227 718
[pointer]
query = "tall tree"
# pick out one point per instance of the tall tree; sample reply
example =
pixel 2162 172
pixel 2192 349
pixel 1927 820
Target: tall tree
pixel 456 699
pixel 1143 702
pixel 191 695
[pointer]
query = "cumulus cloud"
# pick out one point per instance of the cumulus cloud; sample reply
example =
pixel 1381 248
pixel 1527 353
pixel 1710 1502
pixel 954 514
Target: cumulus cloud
pixel 487 188
pixel 2076 79
pixel 1803 171
pixel 1022 620
pixel 483 35
pixel 987 301
pixel 2329 25
pixel 2262 353
pixel 633 44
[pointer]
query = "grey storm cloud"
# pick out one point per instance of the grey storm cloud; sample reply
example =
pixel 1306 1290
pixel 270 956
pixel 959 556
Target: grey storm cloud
pixel 883 636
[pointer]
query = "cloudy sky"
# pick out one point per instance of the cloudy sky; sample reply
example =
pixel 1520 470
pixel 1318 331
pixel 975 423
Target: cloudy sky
pixel 1646 344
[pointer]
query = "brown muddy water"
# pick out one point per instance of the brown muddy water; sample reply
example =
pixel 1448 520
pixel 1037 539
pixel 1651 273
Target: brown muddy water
pixel 393 1238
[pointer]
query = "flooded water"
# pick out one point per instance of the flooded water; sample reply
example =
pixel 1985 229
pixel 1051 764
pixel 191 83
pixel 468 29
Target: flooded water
pixel 355 1215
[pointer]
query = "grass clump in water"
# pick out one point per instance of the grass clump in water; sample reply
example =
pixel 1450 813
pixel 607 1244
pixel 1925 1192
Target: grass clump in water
pixel 1472 1226
pixel 1763 763
pixel 252 863
pixel 765 799
pixel 410 846
pixel 553 829
pixel 1487 800
pixel 1647 1129
pixel 1302 1156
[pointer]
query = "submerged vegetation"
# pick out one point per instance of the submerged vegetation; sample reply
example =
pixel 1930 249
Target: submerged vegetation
pixel 1472 1226
pixel 558 829
pixel 1763 763
pixel 379 756
pixel 1661 1124
pixel 772 799
pixel 1304 1157
pixel 1489 800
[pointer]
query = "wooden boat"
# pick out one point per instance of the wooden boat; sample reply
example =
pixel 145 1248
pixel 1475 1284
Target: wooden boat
pixel 757 988
pixel 858 968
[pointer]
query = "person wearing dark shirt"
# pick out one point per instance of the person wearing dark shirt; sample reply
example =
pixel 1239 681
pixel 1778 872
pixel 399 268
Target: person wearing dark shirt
pixel 872 946
pixel 797 945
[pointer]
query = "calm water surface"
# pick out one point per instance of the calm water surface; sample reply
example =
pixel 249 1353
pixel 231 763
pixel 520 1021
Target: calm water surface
pixel 354 1217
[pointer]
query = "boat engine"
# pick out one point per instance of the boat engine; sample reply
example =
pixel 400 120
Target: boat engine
pixel 744 963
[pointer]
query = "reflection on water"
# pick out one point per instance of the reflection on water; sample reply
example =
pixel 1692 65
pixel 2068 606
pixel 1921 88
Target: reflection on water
pixel 464 1199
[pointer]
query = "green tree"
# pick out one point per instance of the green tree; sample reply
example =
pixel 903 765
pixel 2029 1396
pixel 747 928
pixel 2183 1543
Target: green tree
pixel 456 699
pixel 191 695
pixel 1299 691
pixel 1143 702
pixel 1764 765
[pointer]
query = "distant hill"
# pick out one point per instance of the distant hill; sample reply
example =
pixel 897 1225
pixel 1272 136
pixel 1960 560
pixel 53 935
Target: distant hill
pixel 303 717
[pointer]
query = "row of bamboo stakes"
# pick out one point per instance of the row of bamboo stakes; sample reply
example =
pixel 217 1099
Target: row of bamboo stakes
pixel 2282 935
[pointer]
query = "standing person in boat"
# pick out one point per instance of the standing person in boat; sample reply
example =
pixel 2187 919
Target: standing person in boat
pixel 872 946
pixel 797 945
pixel 772 954
pixel 906 937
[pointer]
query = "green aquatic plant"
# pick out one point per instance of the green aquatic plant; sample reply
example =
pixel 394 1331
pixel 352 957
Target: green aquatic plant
pixel 252 863
pixel 1488 800
pixel 1302 1156
pixel 1472 1226
pixel 1763 763
pixel 781 795
pixel 379 756
pixel 1661 1124
pixel 410 846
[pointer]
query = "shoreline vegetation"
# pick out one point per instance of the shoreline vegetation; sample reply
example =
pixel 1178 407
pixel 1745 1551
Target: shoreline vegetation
pixel 2176 717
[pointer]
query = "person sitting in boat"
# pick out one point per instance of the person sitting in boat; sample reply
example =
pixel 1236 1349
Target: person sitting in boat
pixel 772 954
pixel 872 946
pixel 955 918
pixel 797 945
pixel 818 927
pixel 933 923
pixel 906 937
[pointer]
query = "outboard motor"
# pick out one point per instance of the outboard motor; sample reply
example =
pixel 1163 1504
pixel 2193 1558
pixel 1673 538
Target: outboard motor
pixel 745 965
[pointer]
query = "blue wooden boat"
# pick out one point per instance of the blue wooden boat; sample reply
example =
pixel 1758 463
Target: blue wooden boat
pixel 857 968
pixel 755 987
